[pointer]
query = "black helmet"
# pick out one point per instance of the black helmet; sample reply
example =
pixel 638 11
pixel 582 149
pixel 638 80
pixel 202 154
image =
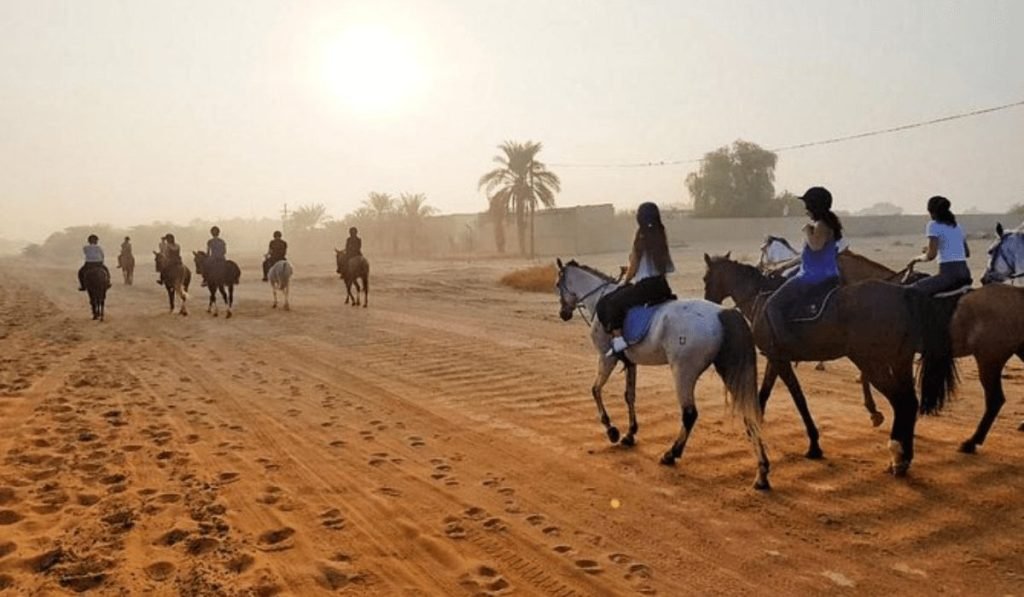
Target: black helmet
pixel 817 199
pixel 353 230
pixel 127 238
pixel 215 231
pixel 277 234
pixel 93 238
pixel 169 237
pixel 647 215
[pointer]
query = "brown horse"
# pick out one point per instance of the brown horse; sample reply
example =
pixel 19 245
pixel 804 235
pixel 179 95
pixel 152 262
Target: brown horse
pixel 126 263
pixel 874 324
pixel 352 271
pixel 987 323
pixel 176 277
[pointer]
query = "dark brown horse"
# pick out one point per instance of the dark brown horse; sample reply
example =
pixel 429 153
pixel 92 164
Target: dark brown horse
pixel 222 279
pixel 874 324
pixel 176 278
pixel 352 271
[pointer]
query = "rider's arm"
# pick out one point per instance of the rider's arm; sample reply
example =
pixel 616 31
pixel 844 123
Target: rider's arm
pixel 930 251
pixel 634 264
pixel 967 250
pixel 817 235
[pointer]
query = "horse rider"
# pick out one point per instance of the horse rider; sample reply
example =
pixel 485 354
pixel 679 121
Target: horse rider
pixel 353 248
pixel 276 251
pixel 818 263
pixel 126 248
pixel 644 281
pixel 93 259
pixel 170 252
pixel 946 240
pixel 216 255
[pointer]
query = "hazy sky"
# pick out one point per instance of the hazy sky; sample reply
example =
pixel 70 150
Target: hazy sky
pixel 133 111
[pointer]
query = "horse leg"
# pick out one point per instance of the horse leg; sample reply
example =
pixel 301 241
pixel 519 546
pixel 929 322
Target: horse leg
pixel 170 297
pixel 212 305
pixel 605 366
pixel 630 439
pixel 770 375
pixel 897 384
pixel 274 288
pixel 793 385
pixel 182 297
pixel 877 418
pixel 366 292
pixel 685 380
pixel 1020 355
pixel 991 372
pixel 287 292
pixel 229 299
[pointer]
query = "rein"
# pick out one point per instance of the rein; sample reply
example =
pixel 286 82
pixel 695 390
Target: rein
pixel 579 303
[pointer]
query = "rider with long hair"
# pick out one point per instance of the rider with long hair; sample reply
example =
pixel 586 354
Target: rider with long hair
pixel 818 263
pixel 645 279
pixel 946 241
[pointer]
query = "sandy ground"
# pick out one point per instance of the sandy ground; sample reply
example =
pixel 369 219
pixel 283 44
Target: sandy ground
pixel 444 442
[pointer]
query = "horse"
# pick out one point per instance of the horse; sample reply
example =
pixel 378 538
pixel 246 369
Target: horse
pixel 126 263
pixel 358 269
pixel 853 268
pixel 280 276
pixel 176 277
pixel 687 335
pixel 96 282
pixel 875 324
pixel 987 323
pixel 221 279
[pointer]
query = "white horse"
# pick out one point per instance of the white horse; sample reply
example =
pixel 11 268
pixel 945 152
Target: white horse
pixel 280 276
pixel 687 335
pixel 1006 258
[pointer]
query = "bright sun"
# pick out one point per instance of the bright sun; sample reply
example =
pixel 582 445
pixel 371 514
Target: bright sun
pixel 373 70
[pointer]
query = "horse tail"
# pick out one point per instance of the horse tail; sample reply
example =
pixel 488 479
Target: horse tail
pixel 736 363
pixel 937 375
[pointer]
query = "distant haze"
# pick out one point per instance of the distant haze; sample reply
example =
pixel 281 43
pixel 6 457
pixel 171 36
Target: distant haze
pixel 129 112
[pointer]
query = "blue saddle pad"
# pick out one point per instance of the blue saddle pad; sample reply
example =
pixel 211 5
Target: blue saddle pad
pixel 638 323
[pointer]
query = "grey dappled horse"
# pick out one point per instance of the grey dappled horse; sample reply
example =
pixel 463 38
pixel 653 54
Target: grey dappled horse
pixel 687 335
pixel 280 277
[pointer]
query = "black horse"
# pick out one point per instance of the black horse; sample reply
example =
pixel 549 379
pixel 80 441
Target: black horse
pixel 222 278
pixel 96 282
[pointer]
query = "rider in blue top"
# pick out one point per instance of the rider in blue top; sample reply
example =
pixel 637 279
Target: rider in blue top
pixel 818 263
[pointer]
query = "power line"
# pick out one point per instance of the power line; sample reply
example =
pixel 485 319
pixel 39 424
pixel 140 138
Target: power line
pixel 830 141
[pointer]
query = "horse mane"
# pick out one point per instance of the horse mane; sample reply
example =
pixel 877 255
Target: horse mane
pixel 591 270
pixel 772 238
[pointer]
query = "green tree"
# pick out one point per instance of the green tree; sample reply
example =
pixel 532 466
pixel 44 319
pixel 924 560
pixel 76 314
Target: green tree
pixel 736 181
pixel 517 186
pixel 384 209
pixel 1017 210
pixel 412 210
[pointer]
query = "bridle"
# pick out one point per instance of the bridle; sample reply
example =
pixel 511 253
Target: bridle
pixel 562 290
pixel 1000 254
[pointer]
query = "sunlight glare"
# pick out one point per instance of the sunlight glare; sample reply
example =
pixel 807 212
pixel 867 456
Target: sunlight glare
pixel 373 70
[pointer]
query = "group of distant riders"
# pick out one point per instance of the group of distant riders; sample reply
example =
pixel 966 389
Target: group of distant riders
pixel 216 250
pixel 645 281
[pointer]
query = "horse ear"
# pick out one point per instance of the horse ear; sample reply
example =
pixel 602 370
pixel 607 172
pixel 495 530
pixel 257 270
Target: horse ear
pixel 558 260
pixel 999 229
pixel 727 255
pixel 707 259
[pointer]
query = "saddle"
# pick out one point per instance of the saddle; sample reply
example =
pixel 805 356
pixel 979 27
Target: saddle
pixel 639 319
pixel 956 293
pixel 813 303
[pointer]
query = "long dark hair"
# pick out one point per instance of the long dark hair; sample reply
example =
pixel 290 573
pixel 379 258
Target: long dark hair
pixel 938 208
pixel 831 220
pixel 650 237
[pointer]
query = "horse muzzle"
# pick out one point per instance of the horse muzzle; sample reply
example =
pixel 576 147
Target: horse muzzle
pixel 565 313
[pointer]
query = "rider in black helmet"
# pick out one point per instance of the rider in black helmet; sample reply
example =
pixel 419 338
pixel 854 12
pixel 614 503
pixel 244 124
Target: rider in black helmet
pixel 277 251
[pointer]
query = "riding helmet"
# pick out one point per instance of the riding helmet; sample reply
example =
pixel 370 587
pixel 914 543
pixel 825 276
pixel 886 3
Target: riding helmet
pixel 277 234
pixel 938 204
pixel 215 231
pixel 817 199
pixel 647 215
pixel 93 238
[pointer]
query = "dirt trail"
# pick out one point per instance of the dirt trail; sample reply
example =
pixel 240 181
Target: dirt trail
pixel 444 442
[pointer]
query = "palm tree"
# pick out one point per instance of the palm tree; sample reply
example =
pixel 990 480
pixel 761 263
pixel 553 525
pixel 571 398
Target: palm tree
pixel 518 186
pixel 383 207
pixel 413 209
pixel 308 217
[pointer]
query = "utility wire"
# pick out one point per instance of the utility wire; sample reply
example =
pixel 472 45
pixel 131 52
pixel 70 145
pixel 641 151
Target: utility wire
pixel 830 141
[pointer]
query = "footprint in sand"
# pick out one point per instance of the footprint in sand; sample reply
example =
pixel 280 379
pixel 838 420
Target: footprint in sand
pixel 159 571
pixel 202 545
pixel 535 519
pixel 389 492
pixel 378 459
pixel 367 435
pixel 338 443
pixel 416 441
pixel 9 517
pixel 7 548
pixel 589 566
pixel 494 524
pixel 485 580
pixel 240 563
pixel 475 513
pixel 277 539
pixel 227 477
pixel 562 549
pixel 454 530
pixel 332 519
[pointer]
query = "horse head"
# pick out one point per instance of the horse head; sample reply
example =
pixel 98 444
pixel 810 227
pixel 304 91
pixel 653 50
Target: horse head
pixel 1006 257
pixel 725 278
pixel 578 285
pixel 200 259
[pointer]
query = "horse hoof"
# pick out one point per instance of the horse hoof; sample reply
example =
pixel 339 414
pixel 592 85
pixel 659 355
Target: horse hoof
pixel 968 448
pixel 613 435
pixel 216 314
pixel 900 470
pixel 629 441
pixel 287 308
pixel 814 453
pixel 762 485
pixel 228 316
pixel 877 419
pixel 667 459
pixel 819 367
